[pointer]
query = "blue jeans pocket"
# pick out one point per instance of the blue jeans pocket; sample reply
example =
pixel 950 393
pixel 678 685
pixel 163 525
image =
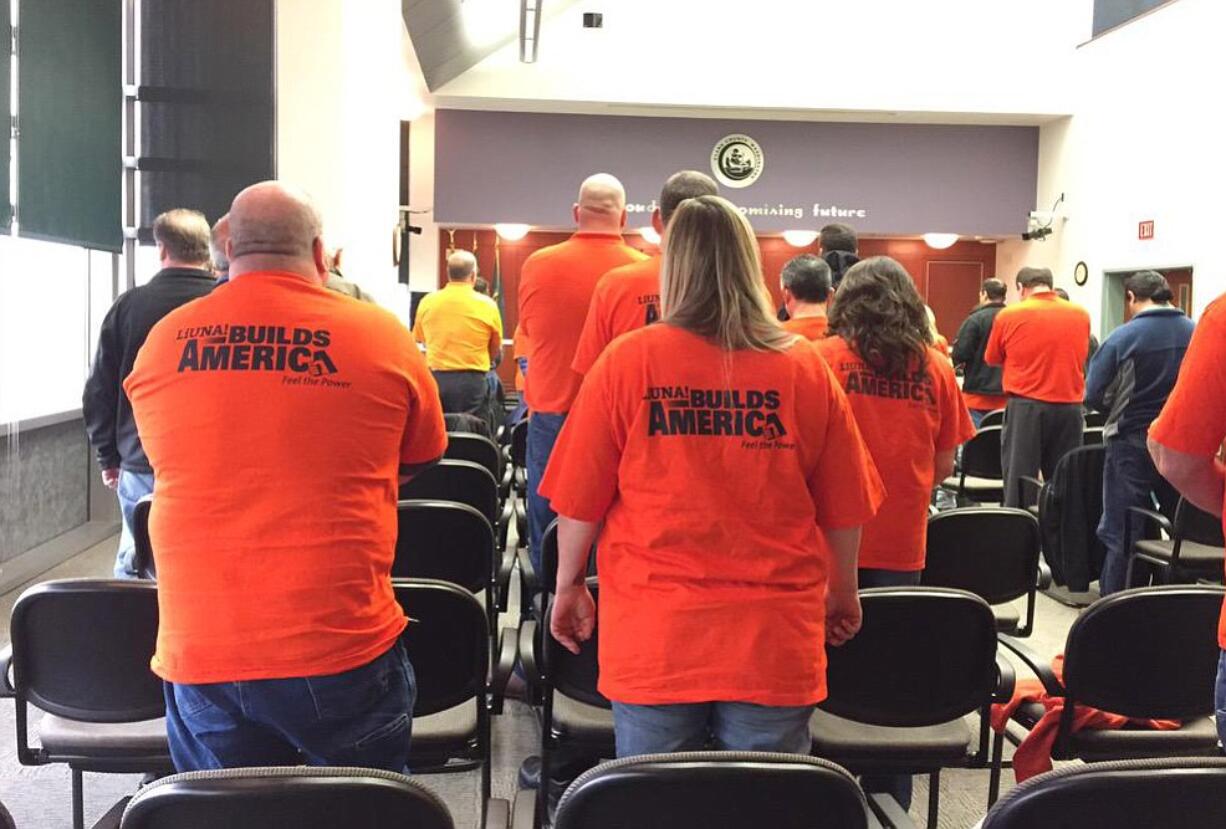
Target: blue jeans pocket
pixel 391 734
pixel 193 700
pixel 340 696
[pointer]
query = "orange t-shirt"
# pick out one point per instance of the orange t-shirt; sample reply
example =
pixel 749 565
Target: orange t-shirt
pixel 712 473
pixel 905 422
pixel 626 299
pixel 276 415
pixel 1042 343
pixel 983 402
pixel 555 289
pixel 811 328
pixel 1193 421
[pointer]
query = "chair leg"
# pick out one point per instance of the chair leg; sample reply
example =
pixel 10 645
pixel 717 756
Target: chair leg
pixel 934 798
pixel 998 750
pixel 78 800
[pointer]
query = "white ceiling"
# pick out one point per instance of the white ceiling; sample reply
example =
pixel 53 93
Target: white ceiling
pixel 950 61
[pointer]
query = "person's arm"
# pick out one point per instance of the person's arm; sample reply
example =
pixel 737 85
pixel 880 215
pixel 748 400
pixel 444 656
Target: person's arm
pixel 408 471
pixel 842 587
pixel 943 464
pixel 100 401
pixel 1199 478
pixel 966 341
pixel 994 352
pixel 574 610
pixel 495 343
pixel 1100 375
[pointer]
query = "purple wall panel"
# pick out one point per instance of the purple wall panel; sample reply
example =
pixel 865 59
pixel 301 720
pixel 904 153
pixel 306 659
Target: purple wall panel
pixel 907 178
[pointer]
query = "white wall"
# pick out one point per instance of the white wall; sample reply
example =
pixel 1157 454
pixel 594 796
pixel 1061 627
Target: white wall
pixel 1144 143
pixel 345 79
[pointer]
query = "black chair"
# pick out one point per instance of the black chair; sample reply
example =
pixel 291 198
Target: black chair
pixel 574 714
pixel 519 455
pixel 1069 508
pixel 142 558
pixel 80 653
pixel 298 797
pixel 452 542
pixel 1192 550
pixel 992 552
pixel 979 477
pixel 1181 793
pixel 1092 436
pixel 534 585
pixel 702 790
pixel 996 417
pixel 467 446
pixel 899 692
pixel 1148 653
pixel 464 482
pixel 448 645
pixel 1095 420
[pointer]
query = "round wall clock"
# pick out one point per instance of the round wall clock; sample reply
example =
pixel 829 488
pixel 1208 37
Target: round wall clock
pixel 1081 273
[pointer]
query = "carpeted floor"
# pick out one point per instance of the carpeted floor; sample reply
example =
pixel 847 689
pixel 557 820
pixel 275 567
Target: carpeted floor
pixel 38 797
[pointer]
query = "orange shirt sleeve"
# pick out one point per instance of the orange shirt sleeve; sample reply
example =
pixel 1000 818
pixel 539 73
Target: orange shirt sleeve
pixel 956 425
pixel 994 351
pixel 581 478
pixel 425 431
pixel 845 486
pixel 1193 421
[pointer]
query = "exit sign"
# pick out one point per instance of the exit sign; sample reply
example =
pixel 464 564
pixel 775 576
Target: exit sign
pixel 1145 230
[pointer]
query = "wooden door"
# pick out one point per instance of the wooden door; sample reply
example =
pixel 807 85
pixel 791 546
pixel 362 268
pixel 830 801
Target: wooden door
pixel 952 291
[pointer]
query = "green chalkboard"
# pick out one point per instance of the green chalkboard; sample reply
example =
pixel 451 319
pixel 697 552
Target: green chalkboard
pixel 69 109
pixel 6 35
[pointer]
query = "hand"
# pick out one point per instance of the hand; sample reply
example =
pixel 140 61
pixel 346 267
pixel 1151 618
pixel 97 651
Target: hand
pixel 110 477
pixel 574 616
pixel 842 616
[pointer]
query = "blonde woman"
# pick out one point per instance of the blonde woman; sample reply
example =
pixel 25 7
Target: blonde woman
pixel 720 465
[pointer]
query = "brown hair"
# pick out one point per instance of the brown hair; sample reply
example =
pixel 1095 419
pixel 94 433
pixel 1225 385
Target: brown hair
pixel 184 235
pixel 711 278
pixel 880 314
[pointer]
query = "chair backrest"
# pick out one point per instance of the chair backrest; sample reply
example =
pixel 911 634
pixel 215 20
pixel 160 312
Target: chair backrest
pixel 1173 793
pixel 466 446
pixel 298 796
pixel 981 454
pixel 519 444
pixel 446 541
pixel 569 674
pixel 81 650
pixel 464 482
pixel 1194 524
pixel 1070 509
pixel 448 642
pixel 923 656
pixel 1095 420
pixel 142 558
pixel 1092 436
pixel 992 552
pixel 996 417
pixel 465 423
pixel 699 790
pixel 1149 653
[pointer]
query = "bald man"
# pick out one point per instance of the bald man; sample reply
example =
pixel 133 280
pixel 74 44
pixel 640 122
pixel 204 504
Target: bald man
pixel 182 238
pixel 462 332
pixel 279 418
pixel 555 289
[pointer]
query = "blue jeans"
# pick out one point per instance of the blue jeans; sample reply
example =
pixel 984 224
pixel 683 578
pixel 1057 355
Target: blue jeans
pixel 735 726
pixel 977 415
pixel 543 429
pixel 1130 479
pixel 132 487
pixel 1221 699
pixel 361 717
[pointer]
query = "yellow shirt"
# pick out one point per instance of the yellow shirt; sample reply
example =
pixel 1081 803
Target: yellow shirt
pixel 457 325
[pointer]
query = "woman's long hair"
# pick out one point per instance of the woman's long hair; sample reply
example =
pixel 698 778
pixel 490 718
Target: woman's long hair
pixel 711 278
pixel 878 311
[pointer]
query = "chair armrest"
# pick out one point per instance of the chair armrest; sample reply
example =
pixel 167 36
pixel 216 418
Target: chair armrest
pixel 502 579
pixel 1029 483
pixel 523 814
pixel 1152 517
pixel 508 652
pixel 504 523
pixel 6 665
pixel 497 814
pixel 527 573
pixel 1037 666
pixel 1044 581
pixel 1006 679
pixel 527 653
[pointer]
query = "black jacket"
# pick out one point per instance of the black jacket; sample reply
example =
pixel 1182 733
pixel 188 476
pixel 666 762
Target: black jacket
pixel 108 414
pixel 972 340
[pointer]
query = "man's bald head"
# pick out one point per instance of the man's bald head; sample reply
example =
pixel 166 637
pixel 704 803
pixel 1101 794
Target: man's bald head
pixel 601 207
pixel 274 225
pixel 461 266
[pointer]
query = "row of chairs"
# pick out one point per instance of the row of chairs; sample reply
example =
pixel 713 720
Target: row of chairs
pixel 702 790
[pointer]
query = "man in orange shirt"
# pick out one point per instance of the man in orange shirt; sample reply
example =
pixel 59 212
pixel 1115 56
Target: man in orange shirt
pixel 805 281
pixel 555 289
pixel 1186 441
pixel 1041 342
pixel 273 532
pixel 628 297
